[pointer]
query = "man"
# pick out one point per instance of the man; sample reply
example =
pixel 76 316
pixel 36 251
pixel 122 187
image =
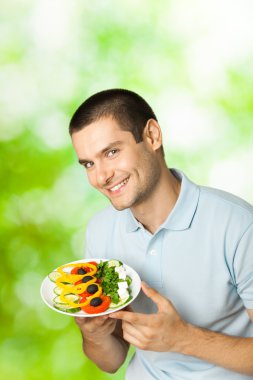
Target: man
pixel 192 245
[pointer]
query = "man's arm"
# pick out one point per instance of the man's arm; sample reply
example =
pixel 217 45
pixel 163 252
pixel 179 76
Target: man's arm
pixel 250 312
pixel 103 342
pixel 226 351
pixel 165 331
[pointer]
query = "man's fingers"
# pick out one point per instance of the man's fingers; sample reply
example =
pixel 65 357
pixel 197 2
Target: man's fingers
pixel 98 321
pixel 128 316
pixel 128 308
pixel 161 302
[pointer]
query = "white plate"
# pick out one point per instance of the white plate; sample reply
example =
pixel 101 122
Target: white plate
pixel 47 291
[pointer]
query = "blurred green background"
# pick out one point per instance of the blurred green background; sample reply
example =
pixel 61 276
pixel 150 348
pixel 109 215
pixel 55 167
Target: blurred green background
pixel 191 60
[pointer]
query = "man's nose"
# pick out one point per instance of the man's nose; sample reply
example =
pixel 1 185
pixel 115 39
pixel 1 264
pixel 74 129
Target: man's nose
pixel 104 175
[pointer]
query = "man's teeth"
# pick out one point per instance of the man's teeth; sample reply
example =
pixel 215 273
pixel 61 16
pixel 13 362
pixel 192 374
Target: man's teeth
pixel 117 187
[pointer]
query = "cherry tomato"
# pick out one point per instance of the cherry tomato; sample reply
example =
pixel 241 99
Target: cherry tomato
pixel 106 300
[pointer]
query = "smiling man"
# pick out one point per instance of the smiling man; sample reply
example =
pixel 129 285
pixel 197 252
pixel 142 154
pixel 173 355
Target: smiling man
pixel 192 245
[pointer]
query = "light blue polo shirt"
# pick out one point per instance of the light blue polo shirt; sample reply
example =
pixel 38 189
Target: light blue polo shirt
pixel 201 258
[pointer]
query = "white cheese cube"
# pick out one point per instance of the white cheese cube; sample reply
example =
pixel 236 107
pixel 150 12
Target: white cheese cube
pixel 122 285
pixel 123 294
pixel 121 272
pixel 122 290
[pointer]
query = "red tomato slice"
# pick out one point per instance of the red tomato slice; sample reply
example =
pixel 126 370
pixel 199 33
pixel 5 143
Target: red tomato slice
pixel 74 270
pixel 106 300
pixel 87 269
pixel 84 295
pixel 93 262
pixel 78 282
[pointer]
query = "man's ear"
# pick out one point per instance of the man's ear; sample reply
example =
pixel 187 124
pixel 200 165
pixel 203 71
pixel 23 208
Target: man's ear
pixel 152 134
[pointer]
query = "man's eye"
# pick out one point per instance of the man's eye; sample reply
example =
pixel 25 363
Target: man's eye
pixel 88 165
pixel 112 152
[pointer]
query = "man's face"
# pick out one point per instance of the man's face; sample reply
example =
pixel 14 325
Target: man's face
pixel 124 171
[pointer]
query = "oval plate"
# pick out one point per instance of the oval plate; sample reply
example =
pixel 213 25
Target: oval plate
pixel 47 291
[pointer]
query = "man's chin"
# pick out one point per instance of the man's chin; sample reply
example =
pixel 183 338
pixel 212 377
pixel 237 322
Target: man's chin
pixel 119 207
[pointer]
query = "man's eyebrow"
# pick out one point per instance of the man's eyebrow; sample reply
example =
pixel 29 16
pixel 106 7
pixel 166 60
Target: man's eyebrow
pixel 82 161
pixel 108 147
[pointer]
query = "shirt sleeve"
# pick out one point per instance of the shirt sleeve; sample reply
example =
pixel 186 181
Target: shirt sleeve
pixel 243 267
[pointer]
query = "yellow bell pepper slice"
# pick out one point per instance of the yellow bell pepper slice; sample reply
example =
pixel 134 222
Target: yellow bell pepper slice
pixel 91 273
pixel 74 304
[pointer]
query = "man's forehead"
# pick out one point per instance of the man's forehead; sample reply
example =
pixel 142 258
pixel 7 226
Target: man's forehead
pixel 100 130
pixel 97 136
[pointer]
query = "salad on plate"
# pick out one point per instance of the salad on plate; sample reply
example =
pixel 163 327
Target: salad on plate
pixel 90 288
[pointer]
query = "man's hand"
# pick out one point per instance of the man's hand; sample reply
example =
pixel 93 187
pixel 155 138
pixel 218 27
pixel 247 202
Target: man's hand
pixel 103 342
pixel 163 331
pixel 96 329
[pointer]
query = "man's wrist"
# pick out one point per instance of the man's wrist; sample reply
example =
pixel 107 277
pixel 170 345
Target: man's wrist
pixel 196 341
pixel 190 337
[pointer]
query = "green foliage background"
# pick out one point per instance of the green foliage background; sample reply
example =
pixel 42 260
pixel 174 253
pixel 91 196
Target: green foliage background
pixel 192 60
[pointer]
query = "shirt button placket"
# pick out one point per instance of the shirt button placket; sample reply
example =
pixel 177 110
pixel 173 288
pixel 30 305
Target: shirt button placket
pixel 153 261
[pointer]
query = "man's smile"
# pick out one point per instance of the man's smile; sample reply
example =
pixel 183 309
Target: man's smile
pixel 116 188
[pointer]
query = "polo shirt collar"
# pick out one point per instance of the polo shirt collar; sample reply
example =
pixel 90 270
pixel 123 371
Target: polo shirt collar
pixel 181 216
pixel 183 212
pixel 131 223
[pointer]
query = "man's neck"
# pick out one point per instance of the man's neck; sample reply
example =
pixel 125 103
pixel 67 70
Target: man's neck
pixel 154 211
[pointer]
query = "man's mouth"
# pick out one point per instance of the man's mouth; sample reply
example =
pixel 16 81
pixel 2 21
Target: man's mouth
pixel 119 185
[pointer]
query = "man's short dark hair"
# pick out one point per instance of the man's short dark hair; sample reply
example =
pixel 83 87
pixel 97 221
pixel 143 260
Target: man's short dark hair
pixel 127 108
